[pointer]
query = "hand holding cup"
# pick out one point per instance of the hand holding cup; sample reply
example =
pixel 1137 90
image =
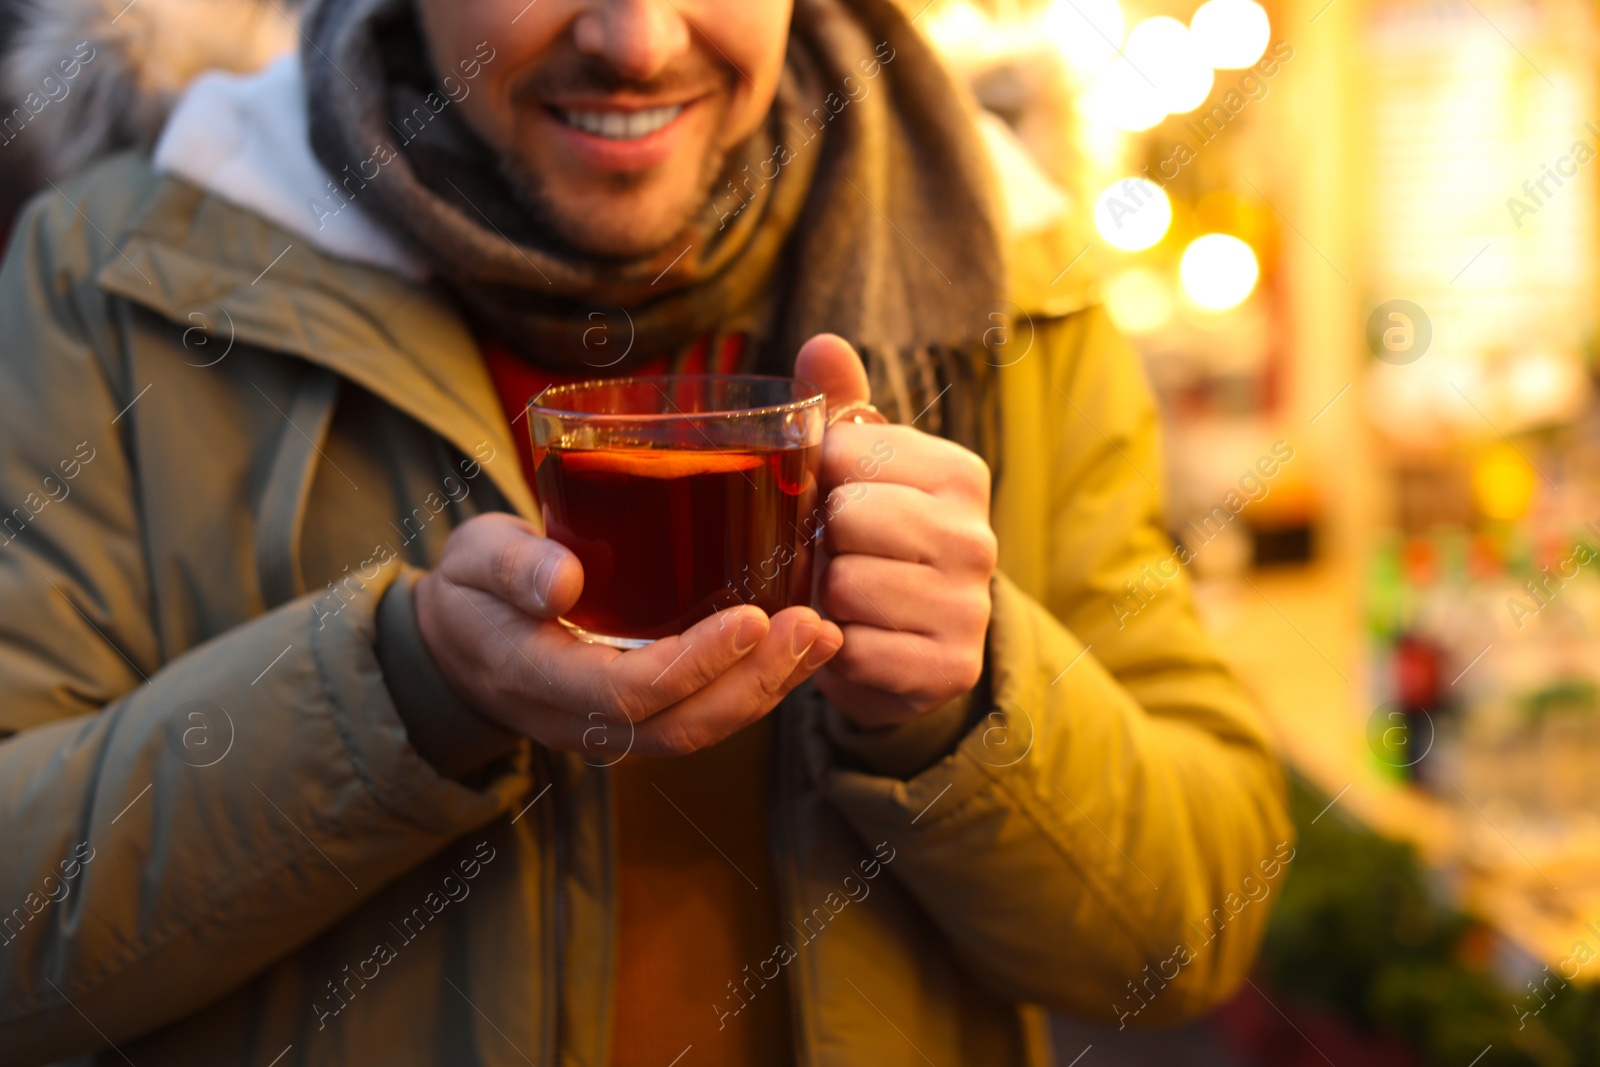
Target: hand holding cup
pixel 908 555
pixel 488 615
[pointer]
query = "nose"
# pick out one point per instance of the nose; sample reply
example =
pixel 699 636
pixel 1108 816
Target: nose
pixel 639 38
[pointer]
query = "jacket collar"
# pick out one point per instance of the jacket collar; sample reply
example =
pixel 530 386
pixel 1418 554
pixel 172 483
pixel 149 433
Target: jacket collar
pixel 1052 266
pixel 1054 271
pixel 201 262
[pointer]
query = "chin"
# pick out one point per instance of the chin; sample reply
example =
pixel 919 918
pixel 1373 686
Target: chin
pixel 619 236
pixel 621 227
pixel 612 216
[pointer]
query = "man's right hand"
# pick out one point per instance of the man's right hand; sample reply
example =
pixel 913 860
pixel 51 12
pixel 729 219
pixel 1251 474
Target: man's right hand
pixel 487 613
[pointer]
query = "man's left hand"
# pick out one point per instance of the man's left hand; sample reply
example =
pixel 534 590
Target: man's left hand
pixel 907 557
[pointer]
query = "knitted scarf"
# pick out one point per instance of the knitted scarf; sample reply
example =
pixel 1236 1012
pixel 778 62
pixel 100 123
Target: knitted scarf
pixel 861 208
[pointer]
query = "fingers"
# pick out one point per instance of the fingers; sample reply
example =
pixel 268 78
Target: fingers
pixel 868 708
pixel 905 456
pixel 486 647
pixel 828 361
pixel 639 683
pixel 897 595
pixel 797 645
pixel 499 580
pixel 506 557
pixel 883 660
pixel 900 522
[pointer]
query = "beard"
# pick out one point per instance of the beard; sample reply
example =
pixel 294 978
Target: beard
pixel 572 229
pixel 620 216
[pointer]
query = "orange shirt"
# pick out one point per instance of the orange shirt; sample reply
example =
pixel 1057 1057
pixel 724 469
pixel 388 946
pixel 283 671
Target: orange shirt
pixel 697 903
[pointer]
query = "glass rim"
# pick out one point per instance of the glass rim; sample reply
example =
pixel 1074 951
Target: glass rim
pixel 533 404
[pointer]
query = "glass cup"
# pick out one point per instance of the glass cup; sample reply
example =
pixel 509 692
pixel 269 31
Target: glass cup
pixel 681 495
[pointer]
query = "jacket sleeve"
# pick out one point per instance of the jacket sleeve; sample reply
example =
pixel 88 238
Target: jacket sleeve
pixel 172 823
pixel 1105 837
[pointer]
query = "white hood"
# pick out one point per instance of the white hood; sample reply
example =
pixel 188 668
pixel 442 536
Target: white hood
pixel 246 139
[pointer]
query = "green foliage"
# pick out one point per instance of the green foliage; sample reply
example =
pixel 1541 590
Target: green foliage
pixel 1570 695
pixel 1359 930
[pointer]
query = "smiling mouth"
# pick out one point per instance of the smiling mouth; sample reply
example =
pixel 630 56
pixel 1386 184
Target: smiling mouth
pixel 619 125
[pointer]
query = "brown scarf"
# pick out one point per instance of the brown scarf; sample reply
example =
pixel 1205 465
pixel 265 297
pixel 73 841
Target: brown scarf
pixel 862 208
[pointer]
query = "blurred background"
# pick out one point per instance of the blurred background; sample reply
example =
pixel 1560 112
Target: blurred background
pixel 1354 242
pixel 1362 233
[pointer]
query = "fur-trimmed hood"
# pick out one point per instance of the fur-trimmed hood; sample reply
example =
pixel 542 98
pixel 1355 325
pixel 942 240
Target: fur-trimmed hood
pixel 94 76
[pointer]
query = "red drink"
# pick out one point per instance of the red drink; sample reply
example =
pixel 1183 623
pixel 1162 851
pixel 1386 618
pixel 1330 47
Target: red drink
pixel 669 536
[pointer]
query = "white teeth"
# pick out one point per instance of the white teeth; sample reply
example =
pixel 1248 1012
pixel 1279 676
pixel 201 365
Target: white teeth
pixel 622 125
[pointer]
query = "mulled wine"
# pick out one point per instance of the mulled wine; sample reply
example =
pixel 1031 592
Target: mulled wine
pixel 680 495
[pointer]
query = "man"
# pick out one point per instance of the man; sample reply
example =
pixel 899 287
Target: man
pixel 17 180
pixel 301 767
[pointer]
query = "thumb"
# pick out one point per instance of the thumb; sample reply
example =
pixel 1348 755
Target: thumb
pixel 828 361
pixel 505 556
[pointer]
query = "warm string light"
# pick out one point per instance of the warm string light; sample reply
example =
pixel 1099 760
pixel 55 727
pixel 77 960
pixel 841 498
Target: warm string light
pixel 1133 214
pixel 1230 34
pixel 1162 67
pixel 1218 271
pixel 1129 80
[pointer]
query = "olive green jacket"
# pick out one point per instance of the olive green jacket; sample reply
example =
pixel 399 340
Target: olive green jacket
pixel 220 449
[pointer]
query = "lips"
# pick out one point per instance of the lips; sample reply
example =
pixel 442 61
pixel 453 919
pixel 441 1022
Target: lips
pixel 615 125
pixel 621 137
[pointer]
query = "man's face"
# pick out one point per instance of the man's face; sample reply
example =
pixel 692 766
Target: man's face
pixel 612 117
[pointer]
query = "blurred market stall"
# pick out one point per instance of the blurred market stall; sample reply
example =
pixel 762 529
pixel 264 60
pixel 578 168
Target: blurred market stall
pixel 1355 243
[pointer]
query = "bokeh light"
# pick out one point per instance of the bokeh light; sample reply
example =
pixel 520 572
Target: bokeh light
pixel 1086 32
pixel 958 28
pixel 1138 300
pixel 1218 271
pixel 1132 214
pixel 1543 383
pixel 1502 483
pixel 1162 54
pixel 1230 34
pixel 1124 98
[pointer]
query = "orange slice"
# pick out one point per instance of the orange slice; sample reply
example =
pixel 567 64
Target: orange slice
pixel 658 462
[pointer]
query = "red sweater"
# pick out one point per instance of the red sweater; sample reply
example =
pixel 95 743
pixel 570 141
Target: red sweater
pixel 697 904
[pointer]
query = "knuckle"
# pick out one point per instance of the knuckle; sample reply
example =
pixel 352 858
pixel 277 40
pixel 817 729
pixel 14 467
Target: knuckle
pixel 663 739
pixel 699 672
pixel 453 541
pixel 839 586
pixel 841 496
pixel 975 474
pixel 508 564
pixel 968 668
pixel 839 530
pixel 838 451
pixel 477 529
pixel 621 700
pixel 965 616
pixel 677 740
pixel 989 548
pixel 703 664
pixel 837 514
pixel 969 474
pixel 497 675
pixel 504 676
pixel 849 662
pixel 457 549
pixel 770 688
pixel 974 545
